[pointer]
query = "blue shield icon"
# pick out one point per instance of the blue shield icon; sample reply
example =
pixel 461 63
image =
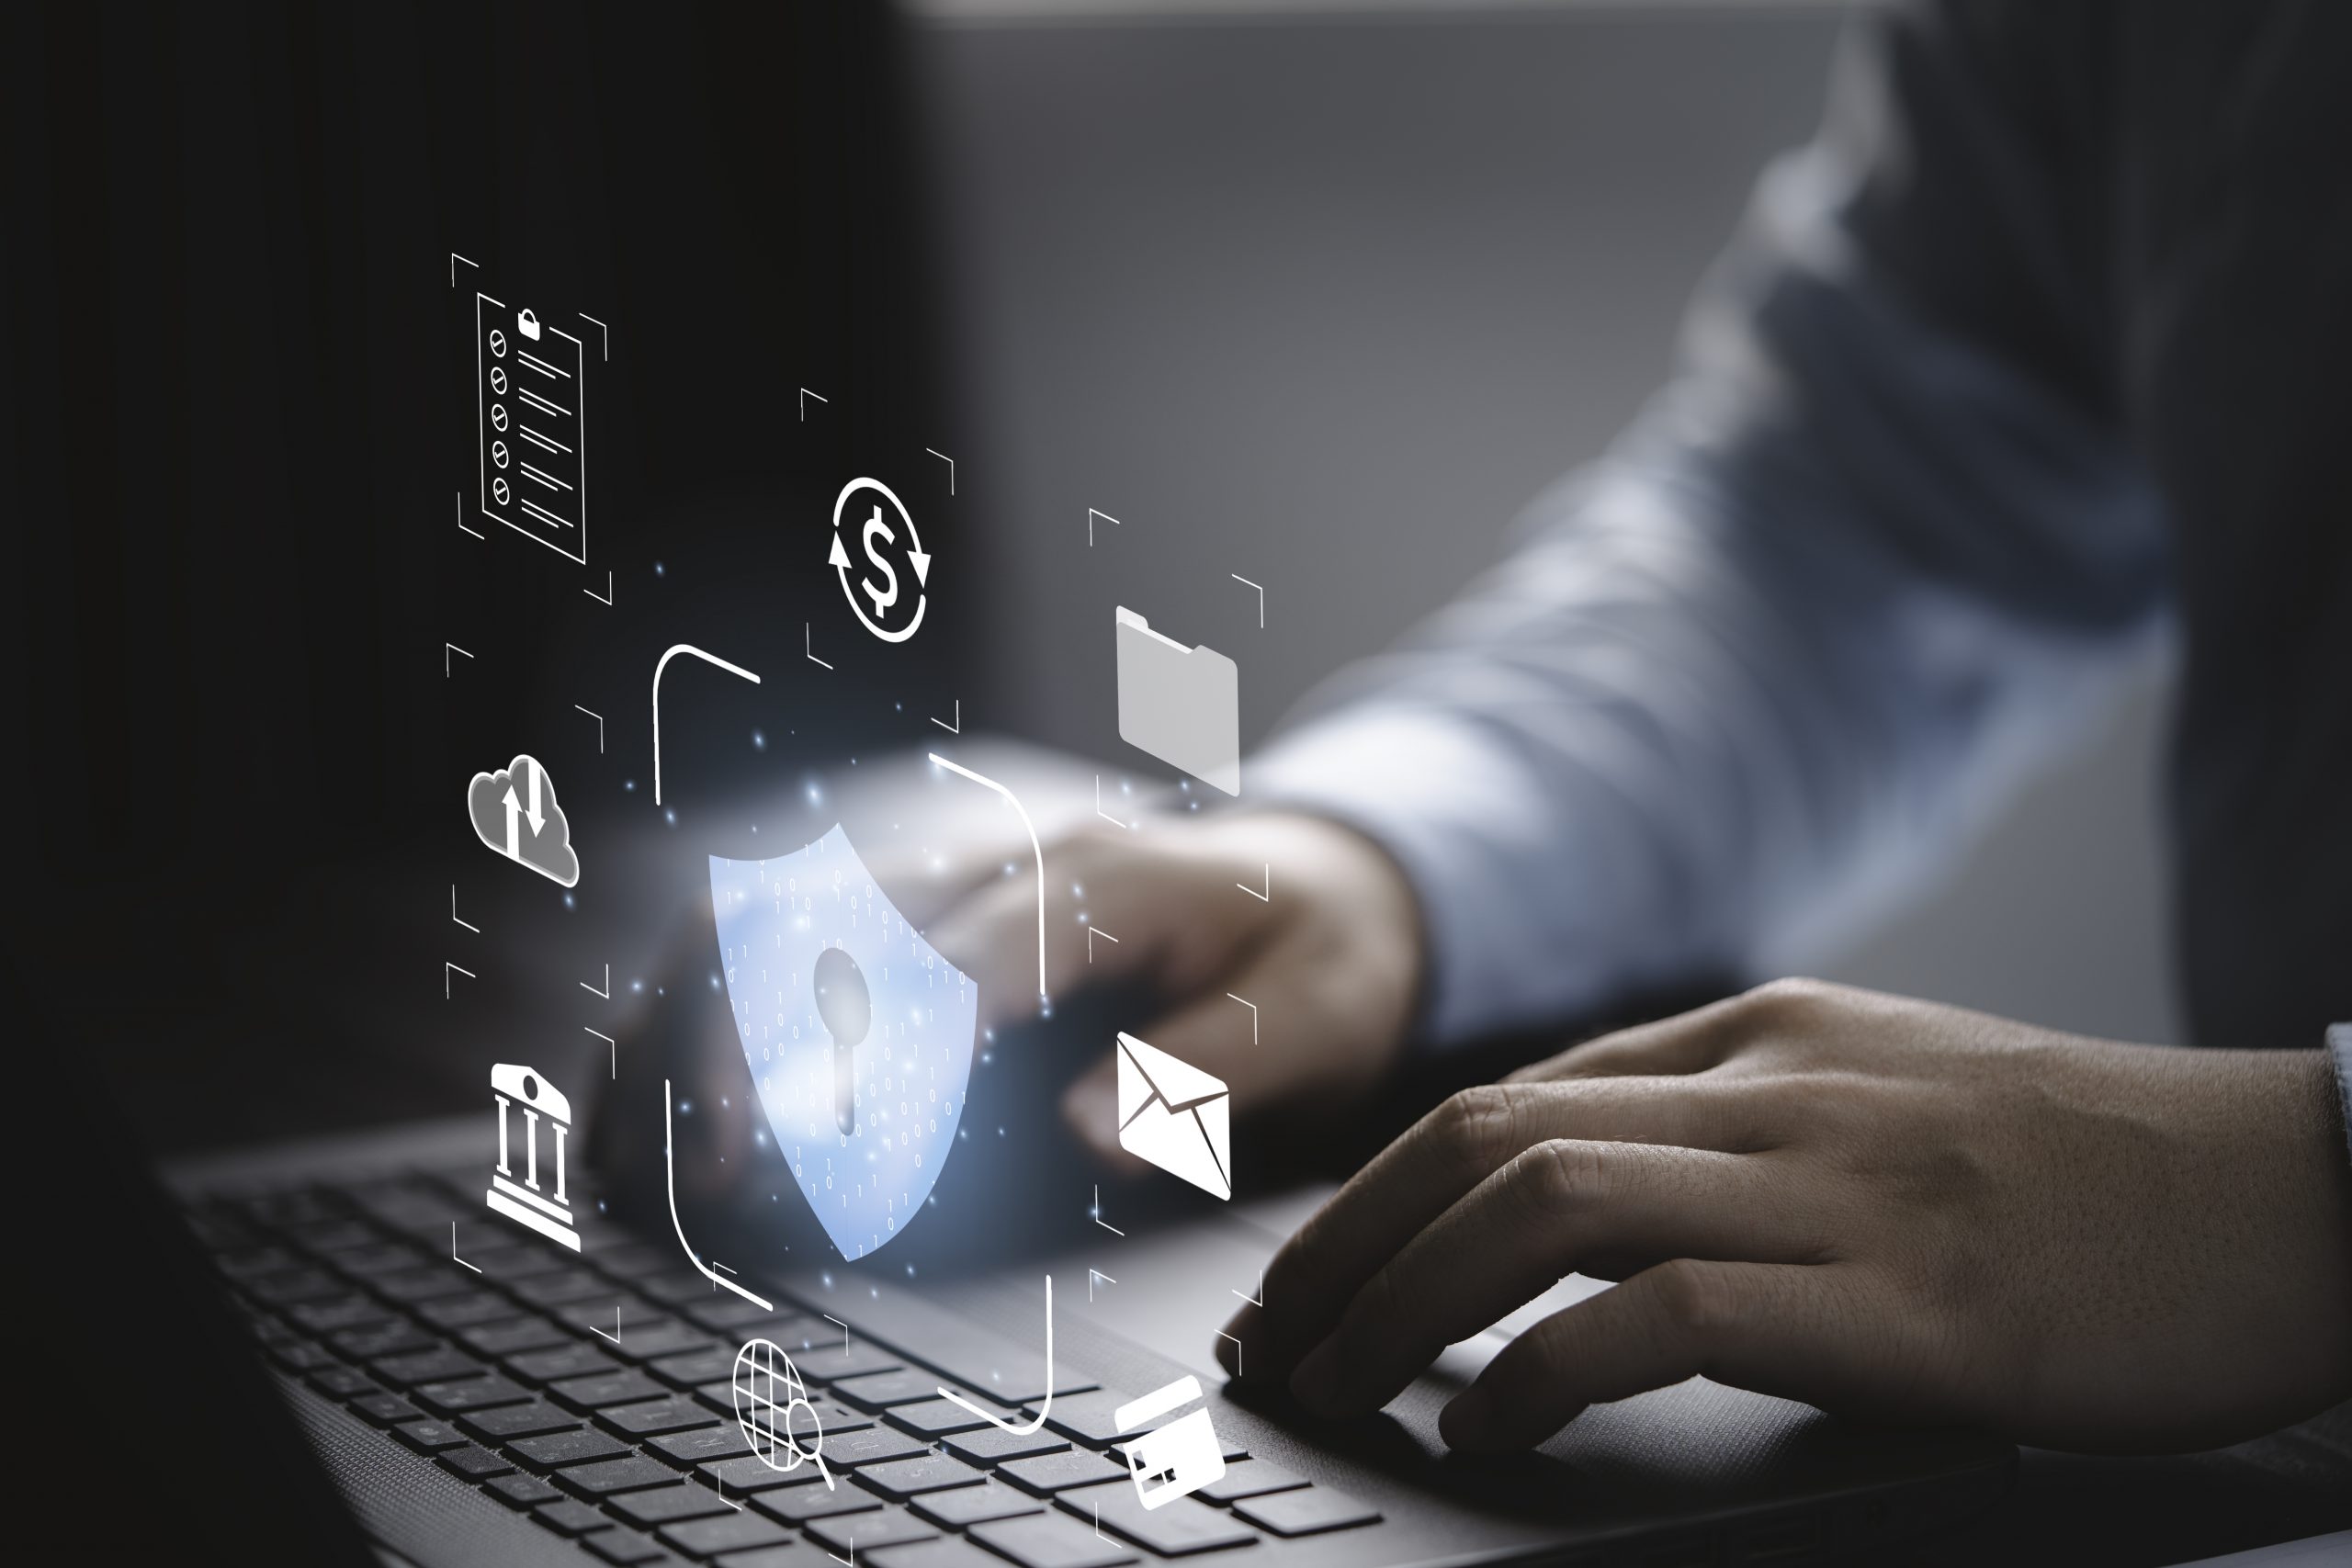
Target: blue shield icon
pixel 859 1035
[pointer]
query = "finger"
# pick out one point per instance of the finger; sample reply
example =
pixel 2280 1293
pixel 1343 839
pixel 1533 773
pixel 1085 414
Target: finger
pixel 1686 1043
pixel 1423 1173
pixel 993 936
pixel 1783 1329
pixel 1518 1231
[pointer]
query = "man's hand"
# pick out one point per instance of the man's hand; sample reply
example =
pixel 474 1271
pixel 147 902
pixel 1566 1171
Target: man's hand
pixel 1876 1205
pixel 1332 960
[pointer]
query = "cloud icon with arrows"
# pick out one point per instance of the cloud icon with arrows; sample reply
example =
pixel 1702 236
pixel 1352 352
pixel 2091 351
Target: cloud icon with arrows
pixel 514 811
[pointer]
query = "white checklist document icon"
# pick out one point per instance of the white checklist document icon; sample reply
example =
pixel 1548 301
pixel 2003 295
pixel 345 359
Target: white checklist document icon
pixel 533 415
pixel 1182 705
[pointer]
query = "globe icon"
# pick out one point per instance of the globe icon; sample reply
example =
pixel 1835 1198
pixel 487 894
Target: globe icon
pixel 767 1388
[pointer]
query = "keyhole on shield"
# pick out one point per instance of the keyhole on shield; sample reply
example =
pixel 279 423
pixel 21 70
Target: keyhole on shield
pixel 847 1010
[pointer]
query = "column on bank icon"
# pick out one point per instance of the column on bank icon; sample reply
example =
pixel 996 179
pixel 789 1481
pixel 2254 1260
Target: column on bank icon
pixel 527 1203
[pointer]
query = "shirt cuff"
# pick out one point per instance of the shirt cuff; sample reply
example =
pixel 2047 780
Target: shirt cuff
pixel 1429 788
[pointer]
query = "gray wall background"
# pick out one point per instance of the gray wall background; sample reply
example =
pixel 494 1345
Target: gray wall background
pixel 1322 298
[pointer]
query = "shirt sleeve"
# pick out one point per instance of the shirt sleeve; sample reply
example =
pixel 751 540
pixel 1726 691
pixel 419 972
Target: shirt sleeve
pixel 1858 571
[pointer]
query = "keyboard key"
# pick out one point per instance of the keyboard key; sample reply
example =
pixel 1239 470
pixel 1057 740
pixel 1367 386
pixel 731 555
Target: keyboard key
pixel 520 1491
pixel 687 1450
pixel 473 1462
pixel 443 1365
pixel 874 1445
pixel 506 1336
pixel 604 1310
pixel 383 1409
pixel 738 1477
pixel 631 1472
pixel 975 1357
pixel 971 1504
pixel 569 1517
pixel 335 1236
pixel 931 1555
pixel 1086 1416
pixel 904 1478
pixel 374 1262
pixel 342 1383
pixel 623 1546
pixel 672 1284
pixel 464 1311
pixel 298 1356
pixel 509 1421
pixel 796 1505
pixel 1051 1540
pixel 337 1311
pixel 383 1340
pixel 294 1285
pixel 856 1533
pixel 655 1417
pixel 1309 1512
pixel 880 1391
pixel 557 1449
pixel 831 1418
pixel 694 1368
pixel 1049 1473
pixel 634 1260
pixel 781 1557
pixel 730 1533
pixel 831 1362
pixel 429 1437
pixel 509 1264
pixel 553 1363
pixel 647 1342
pixel 663 1505
pixel 568 1286
pixel 627 1386
pixel 994 1444
pixel 1176 1527
pixel 1250 1478
pixel 936 1417
pixel 412 1285
pixel 468 1393
pixel 732 1318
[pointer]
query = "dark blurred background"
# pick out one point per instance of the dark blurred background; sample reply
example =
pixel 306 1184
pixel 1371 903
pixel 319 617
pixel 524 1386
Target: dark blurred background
pixel 1315 295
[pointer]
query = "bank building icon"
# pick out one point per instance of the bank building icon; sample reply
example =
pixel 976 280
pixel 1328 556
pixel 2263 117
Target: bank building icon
pixel 527 1202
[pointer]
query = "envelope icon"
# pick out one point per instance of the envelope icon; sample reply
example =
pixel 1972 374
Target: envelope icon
pixel 1181 704
pixel 1176 1116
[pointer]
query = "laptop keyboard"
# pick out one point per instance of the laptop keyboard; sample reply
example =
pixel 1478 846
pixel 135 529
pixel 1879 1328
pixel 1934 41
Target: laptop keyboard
pixel 593 1393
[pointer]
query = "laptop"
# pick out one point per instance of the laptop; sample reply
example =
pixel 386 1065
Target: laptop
pixel 475 1386
pixel 341 1349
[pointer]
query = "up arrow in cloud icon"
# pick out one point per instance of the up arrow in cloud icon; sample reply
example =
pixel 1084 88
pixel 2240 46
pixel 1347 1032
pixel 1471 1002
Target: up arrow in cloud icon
pixel 514 812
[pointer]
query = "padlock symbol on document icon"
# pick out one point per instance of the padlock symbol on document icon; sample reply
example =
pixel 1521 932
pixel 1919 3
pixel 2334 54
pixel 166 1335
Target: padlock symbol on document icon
pixel 1174 1460
pixel 528 324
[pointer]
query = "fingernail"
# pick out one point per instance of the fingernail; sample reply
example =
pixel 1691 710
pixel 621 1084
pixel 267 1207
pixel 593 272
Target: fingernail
pixel 1316 1382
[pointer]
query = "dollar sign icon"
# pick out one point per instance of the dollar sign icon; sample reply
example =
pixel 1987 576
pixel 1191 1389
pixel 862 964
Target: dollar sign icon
pixel 886 596
pixel 888 539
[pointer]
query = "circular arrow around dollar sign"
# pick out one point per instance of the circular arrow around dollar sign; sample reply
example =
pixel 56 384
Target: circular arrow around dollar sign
pixel 839 560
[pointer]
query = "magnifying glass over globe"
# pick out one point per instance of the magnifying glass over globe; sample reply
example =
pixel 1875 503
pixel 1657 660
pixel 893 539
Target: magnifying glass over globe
pixel 767 1392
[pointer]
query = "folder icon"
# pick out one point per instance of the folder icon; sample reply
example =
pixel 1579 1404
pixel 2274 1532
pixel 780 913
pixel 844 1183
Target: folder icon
pixel 1176 1116
pixel 1181 704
